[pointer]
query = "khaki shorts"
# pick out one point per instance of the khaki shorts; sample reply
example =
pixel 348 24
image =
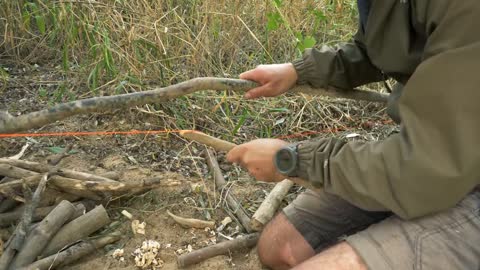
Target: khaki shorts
pixel 447 240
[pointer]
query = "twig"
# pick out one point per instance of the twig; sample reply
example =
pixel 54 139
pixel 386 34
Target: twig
pixel 72 253
pixel 220 182
pixel 53 161
pixel 9 124
pixel 21 153
pixel 226 247
pixel 192 223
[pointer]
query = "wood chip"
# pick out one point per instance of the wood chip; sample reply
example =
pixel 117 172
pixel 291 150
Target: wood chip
pixel 137 227
pixel 127 214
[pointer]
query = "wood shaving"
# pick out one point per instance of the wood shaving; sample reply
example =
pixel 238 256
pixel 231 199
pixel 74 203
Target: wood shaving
pixel 127 214
pixel 146 256
pixel 118 254
pixel 137 227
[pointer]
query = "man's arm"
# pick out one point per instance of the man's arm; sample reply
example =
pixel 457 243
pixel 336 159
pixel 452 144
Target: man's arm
pixel 344 66
pixel 431 164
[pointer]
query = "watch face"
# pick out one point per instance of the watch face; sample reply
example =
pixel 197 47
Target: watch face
pixel 284 161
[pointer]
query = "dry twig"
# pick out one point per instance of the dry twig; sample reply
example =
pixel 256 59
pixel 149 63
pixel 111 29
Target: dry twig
pixel 220 183
pixel 226 247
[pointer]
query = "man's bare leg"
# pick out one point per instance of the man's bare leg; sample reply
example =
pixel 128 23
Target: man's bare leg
pixel 339 257
pixel 281 246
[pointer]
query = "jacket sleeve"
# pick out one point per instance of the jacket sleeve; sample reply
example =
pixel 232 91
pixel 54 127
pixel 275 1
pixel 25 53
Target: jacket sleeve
pixel 345 66
pixel 431 164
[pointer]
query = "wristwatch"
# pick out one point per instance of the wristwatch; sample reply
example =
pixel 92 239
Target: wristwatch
pixel 286 160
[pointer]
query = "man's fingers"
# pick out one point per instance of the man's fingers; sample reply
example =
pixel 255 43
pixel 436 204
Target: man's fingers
pixel 252 75
pixel 236 154
pixel 257 92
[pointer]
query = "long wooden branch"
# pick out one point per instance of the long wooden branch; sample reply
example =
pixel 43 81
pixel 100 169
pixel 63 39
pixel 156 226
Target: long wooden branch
pixel 9 123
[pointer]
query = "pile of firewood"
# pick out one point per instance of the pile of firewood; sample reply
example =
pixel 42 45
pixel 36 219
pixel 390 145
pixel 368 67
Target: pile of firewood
pixel 55 210
pixel 53 223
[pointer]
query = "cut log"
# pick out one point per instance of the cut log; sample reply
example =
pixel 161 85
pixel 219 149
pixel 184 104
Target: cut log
pixel 39 237
pixel 72 253
pixel 18 237
pixel 77 229
pixel 220 183
pixel 226 247
pixel 191 222
pixel 9 123
pixel 270 205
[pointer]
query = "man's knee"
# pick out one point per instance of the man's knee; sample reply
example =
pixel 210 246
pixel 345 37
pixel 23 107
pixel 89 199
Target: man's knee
pixel 281 246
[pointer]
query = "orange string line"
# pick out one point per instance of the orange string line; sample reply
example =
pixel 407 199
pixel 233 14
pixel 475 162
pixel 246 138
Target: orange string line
pixel 165 131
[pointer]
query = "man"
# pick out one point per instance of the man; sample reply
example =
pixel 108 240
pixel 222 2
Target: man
pixel 409 201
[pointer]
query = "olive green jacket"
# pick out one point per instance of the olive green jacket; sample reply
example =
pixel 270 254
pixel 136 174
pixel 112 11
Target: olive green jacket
pixel 433 47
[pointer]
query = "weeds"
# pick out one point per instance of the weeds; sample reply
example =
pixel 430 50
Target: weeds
pixel 113 47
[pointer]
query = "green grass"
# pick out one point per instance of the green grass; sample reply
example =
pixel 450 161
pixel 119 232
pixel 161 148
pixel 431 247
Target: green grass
pixel 118 46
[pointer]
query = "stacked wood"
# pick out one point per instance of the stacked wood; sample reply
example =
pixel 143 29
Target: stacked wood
pixel 62 206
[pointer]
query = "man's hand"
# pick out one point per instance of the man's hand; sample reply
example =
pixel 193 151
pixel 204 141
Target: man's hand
pixel 257 157
pixel 274 79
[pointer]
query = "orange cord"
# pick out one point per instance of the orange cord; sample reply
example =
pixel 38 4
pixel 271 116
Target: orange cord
pixel 165 131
